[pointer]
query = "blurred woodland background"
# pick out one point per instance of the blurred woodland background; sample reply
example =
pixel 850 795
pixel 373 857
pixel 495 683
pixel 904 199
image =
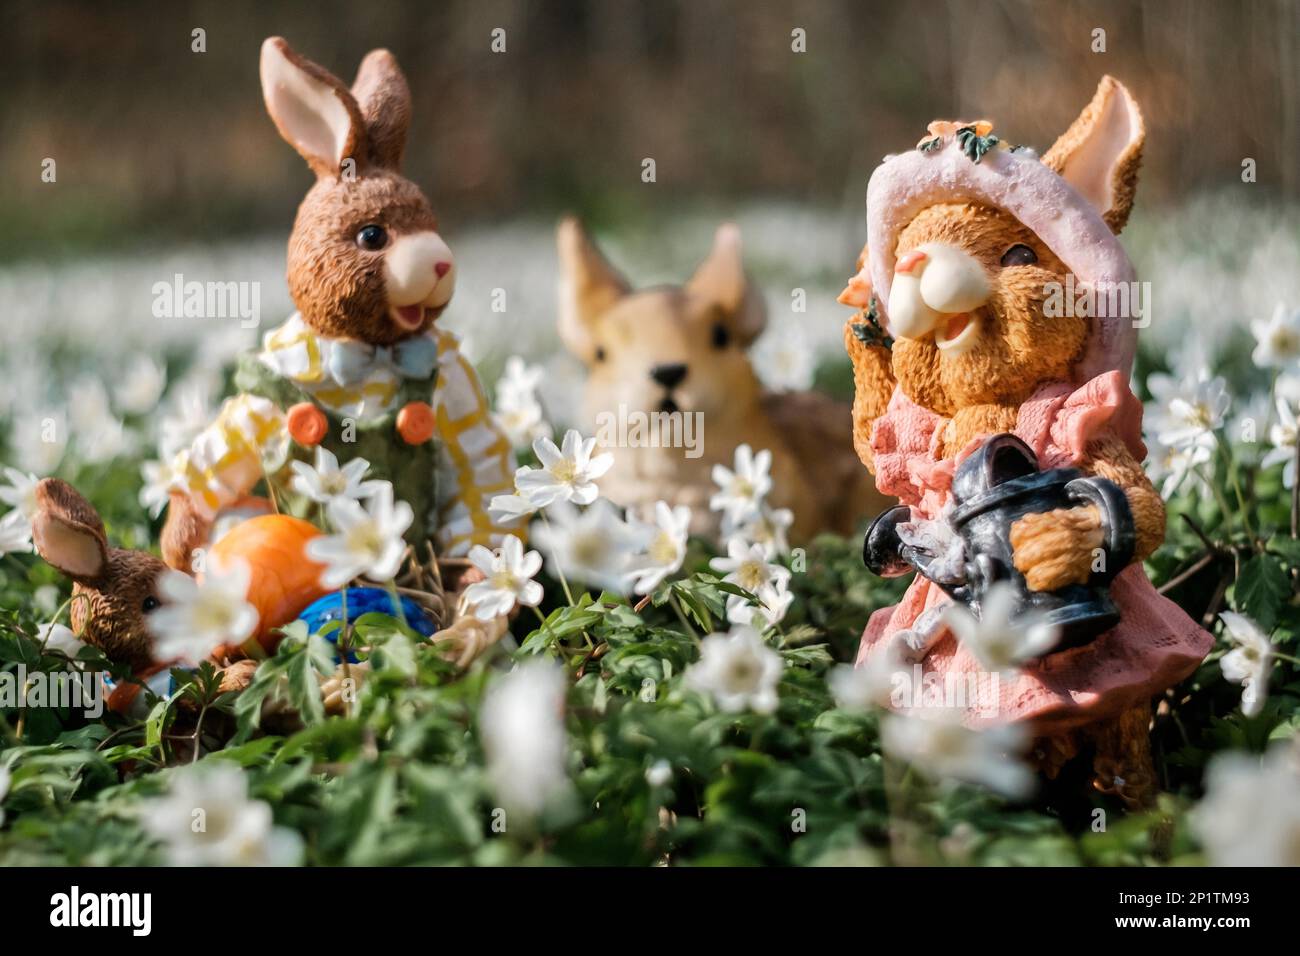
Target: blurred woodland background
pixel 155 142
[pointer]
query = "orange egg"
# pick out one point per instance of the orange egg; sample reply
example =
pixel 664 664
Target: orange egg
pixel 284 579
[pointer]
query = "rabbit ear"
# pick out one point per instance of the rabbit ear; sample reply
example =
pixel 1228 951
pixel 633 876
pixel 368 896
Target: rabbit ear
pixel 588 286
pixel 1099 154
pixel 721 280
pixel 311 108
pixel 384 99
pixel 68 531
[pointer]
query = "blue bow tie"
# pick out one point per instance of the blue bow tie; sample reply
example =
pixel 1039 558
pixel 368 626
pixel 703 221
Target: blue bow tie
pixel 351 362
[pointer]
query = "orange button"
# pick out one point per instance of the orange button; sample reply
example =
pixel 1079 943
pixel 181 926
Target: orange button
pixel 307 424
pixel 415 423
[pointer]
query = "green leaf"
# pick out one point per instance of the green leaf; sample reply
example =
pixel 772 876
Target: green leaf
pixel 304 689
pixel 1261 590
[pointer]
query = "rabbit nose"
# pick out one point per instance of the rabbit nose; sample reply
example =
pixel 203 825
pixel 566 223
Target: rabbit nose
pixel 440 269
pixel 669 375
pixel 909 262
pixel 933 281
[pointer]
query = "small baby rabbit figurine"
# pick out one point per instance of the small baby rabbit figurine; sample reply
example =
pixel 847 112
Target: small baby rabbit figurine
pixel 116 588
pixel 682 350
pixel 970 244
pixel 360 368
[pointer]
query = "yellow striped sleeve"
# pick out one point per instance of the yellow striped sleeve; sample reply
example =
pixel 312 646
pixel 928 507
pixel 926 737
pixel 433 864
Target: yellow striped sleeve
pixel 225 460
pixel 478 460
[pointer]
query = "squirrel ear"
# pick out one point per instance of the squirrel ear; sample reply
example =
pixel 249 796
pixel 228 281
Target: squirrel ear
pixel 588 286
pixel 311 108
pixel 721 280
pixel 384 99
pixel 68 532
pixel 1100 153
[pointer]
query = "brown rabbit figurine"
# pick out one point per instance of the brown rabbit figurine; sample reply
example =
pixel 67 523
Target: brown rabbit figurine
pixel 683 350
pixel 360 370
pixel 115 588
pixel 970 243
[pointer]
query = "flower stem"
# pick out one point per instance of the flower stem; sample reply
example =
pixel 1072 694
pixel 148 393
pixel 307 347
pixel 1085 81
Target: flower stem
pixel 1235 479
pixel 344 645
pixel 681 616
pixel 564 583
pixel 545 626
pixel 1221 501
pixel 397 603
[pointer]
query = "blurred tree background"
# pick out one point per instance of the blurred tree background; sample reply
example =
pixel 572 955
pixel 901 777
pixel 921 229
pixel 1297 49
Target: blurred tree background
pixel 155 142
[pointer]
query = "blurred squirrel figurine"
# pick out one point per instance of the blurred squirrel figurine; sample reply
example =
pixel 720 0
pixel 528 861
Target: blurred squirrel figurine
pixel 967 241
pixel 683 350
pixel 360 369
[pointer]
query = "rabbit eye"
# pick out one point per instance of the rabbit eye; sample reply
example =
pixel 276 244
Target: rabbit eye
pixel 1019 255
pixel 721 337
pixel 600 353
pixel 150 603
pixel 372 238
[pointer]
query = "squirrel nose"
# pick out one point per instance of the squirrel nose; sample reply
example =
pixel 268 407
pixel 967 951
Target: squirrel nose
pixel 669 375
pixel 440 269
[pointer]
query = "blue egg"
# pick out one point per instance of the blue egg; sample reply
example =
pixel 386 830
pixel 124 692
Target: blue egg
pixel 363 601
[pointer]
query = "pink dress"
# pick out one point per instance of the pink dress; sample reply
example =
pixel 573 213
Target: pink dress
pixel 1154 646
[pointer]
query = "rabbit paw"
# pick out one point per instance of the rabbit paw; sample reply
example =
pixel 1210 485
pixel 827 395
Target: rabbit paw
pixel 340 689
pixel 237 676
pixel 1056 548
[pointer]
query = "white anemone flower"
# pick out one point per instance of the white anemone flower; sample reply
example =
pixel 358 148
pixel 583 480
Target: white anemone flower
pixel 997 639
pixel 160 478
pixel 568 473
pixel 783 358
pixel 664 546
pixel 1277 338
pixel 509 580
pixel 747 565
pixel 595 545
pixel 197 618
pixel 1282 435
pixel 189 413
pixel 507 509
pixel 659 773
pixel 944 749
pixel 15 533
pixel 773 604
pixel 141 386
pixel 519 378
pixel 325 481
pixel 767 526
pixel 369 540
pixel 518 410
pixel 1249 661
pixel 871 683
pixel 521 724
pixel 1193 415
pixel 521 418
pixel 59 637
pixel 1250 815
pixel 1171 466
pixel 206 818
pixel 20 493
pixel 742 488
pixel 738 670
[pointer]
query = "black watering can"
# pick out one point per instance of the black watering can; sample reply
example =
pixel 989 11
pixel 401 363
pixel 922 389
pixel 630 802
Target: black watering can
pixel 991 490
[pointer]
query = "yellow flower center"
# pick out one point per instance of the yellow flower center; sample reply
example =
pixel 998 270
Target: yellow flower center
pixel 751 575
pixel 663 550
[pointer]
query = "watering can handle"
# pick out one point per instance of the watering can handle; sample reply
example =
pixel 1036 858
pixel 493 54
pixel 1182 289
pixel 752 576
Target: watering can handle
pixel 1119 535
